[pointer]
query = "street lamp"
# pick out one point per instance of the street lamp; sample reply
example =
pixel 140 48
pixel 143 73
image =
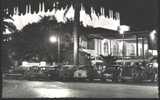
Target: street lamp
pixel 153 40
pixel 122 29
pixel 152 35
pixel 54 39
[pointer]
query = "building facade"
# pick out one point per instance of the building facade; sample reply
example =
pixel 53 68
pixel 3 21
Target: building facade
pixel 114 47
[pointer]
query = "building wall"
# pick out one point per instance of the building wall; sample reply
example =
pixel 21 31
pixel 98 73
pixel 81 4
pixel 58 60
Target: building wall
pixel 113 47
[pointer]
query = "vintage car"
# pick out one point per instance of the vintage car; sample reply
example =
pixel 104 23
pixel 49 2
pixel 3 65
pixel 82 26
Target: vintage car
pixel 66 72
pixel 137 70
pixel 152 71
pixel 112 73
pixel 84 72
pixel 130 69
pixel 80 73
pixel 33 73
pixel 96 60
pixel 40 73
pixel 51 73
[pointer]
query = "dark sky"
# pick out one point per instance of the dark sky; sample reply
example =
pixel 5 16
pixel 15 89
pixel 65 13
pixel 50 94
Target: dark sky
pixel 141 14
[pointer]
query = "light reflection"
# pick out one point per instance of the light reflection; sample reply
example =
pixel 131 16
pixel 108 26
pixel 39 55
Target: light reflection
pixel 53 93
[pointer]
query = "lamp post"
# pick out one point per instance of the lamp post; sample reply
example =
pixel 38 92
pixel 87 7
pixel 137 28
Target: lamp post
pixel 54 39
pixel 122 33
pixel 122 29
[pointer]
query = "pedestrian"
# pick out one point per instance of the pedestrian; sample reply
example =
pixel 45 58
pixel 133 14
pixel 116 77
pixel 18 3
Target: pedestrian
pixel 115 74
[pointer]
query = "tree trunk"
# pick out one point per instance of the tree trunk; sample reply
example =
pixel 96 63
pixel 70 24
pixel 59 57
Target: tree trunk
pixel 75 32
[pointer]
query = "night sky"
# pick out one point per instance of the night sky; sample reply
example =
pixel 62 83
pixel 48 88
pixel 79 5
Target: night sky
pixel 139 14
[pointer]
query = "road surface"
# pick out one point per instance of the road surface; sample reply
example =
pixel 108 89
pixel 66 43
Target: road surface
pixel 55 89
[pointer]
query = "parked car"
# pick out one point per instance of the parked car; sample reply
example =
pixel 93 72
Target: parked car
pixel 98 72
pixel 80 73
pixel 137 70
pixel 151 72
pixel 37 73
pixel 90 73
pixel 51 73
pixel 130 70
pixel 66 72
pixel 95 60
pixel 15 73
pixel 113 73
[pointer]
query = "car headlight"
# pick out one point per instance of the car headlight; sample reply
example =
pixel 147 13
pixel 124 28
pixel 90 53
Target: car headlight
pixel 43 68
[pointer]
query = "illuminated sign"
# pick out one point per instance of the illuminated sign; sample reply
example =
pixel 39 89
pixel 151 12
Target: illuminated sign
pixel 42 63
pixel 28 64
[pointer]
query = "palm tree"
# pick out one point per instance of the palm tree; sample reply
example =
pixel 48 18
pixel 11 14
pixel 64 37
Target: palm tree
pixel 88 5
pixel 5 24
pixel 6 38
pixel 108 60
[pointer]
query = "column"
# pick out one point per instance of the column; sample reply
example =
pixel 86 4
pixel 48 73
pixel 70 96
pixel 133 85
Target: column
pixel 100 46
pixel 136 45
pixel 143 47
pixel 59 40
pixel 110 47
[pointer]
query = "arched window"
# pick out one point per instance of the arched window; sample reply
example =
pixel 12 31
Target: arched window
pixel 106 51
pixel 115 48
pixel 132 53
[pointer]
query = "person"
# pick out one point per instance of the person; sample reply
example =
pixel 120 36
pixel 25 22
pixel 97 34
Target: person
pixel 136 71
pixel 156 75
pixel 116 74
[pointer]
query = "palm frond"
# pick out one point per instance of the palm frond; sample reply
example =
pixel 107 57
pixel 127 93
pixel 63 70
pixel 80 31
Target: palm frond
pixel 8 25
pixel 37 5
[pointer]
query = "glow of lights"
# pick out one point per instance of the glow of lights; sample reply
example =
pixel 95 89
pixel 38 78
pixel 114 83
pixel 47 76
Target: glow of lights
pixel 28 64
pixel 155 65
pixel 24 63
pixel 123 28
pixel 121 31
pixel 154 52
pixel 52 39
pixel 42 63
pixel 43 68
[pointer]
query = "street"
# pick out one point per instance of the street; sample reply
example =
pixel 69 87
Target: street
pixel 55 89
